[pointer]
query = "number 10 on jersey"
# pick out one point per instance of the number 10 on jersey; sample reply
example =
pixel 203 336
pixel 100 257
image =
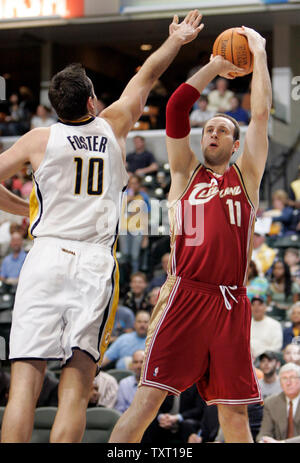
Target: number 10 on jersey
pixel 94 178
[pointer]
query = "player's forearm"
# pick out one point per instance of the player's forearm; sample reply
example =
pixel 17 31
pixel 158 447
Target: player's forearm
pixel 160 60
pixel 261 90
pixel 12 203
pixel 204 76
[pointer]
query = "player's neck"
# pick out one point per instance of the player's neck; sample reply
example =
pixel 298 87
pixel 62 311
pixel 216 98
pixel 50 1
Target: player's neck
pixel 81 119
pixel 220 170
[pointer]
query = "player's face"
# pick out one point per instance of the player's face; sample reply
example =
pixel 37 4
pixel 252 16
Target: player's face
pixel 218 143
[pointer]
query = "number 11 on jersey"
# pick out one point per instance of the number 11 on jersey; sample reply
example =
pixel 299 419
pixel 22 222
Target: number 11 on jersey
pixel 234 220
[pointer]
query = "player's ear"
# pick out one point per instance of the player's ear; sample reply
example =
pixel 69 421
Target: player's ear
pixel 236 146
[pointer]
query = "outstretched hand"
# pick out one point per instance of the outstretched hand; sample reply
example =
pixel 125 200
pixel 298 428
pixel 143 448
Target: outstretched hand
pixel 255 41
pixel 189 28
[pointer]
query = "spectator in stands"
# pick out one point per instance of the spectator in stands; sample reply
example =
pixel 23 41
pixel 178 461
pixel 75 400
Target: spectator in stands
pixel 262 254
pixel 284 218
pixel 141 162
pixel 219 99
pixel 137 298
pixel 26 188
pixel 245 104
pixel 161 278
pixel 153 296
pixel 290 332
pixel 177 419
pixel 14 117
pixel 108 389
pixel 42 117
pixel 94 395
pixel 292 259
pixel 134 222
pixel 128 385
pixel 266 333
pixel 269 365
pixel 281 416
pixel 27 106
pixel 12 264
pixel 209 426
pixel 294 189
pixel 4 387
pixel 256 284
pixel 124 322
pixel 122 349
pixel 237 112
pixel 199 116
pixel 291 353
pixel 282 292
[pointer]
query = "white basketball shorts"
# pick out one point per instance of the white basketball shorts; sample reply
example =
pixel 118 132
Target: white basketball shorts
pixel 66 299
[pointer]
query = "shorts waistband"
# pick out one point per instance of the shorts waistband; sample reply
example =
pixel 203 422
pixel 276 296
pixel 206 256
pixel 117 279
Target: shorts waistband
pixel 208 288
pixel 72 243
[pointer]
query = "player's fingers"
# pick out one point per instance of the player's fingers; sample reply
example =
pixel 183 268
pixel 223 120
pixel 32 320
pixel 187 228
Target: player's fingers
pixel 175 19
pixel 197 20
pixel 199 28
pixel 188 17
pixel 194 15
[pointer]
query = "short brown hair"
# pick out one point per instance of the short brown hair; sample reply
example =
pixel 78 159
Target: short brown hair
pixel 69 92
pixel 236 133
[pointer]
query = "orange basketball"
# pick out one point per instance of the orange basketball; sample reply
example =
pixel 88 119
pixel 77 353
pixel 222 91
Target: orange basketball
pixel 234 48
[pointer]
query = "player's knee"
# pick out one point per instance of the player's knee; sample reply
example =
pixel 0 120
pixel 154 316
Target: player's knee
pixel 233 414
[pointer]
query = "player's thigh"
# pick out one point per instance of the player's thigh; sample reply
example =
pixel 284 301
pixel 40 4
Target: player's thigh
pixel 77 377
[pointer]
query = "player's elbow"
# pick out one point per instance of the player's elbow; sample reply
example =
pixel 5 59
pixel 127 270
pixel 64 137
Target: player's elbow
pixel 261 115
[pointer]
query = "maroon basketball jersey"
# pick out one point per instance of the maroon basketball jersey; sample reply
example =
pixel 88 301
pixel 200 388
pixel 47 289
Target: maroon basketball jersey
pixel 211 229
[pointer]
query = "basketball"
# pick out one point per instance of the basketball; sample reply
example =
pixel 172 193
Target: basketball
pixel 234 48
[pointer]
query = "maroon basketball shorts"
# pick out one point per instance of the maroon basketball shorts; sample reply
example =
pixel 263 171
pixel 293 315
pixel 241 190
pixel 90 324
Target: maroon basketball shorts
pixel 200 333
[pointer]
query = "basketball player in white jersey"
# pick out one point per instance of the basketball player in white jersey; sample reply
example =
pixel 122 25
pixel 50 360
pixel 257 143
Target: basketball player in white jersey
pixel 68 289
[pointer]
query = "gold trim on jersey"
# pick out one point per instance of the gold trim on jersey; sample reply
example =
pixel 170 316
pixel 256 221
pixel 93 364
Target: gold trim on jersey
pixel 239 174
pixel 105 338
pixel 34 207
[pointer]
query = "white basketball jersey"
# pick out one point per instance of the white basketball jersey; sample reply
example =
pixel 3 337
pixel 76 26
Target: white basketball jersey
pixel 78 186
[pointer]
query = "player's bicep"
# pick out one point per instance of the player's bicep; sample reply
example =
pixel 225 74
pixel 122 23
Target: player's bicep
pixel 253 160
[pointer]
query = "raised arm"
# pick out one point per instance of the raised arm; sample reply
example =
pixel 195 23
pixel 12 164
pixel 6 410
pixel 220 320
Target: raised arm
pixel 253 159
pixel 182 160
pixel 123 114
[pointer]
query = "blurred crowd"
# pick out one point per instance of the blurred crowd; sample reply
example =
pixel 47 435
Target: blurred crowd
pixel 273 279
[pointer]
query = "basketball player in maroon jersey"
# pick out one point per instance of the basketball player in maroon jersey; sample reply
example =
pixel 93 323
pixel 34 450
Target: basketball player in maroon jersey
pixel 200 327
